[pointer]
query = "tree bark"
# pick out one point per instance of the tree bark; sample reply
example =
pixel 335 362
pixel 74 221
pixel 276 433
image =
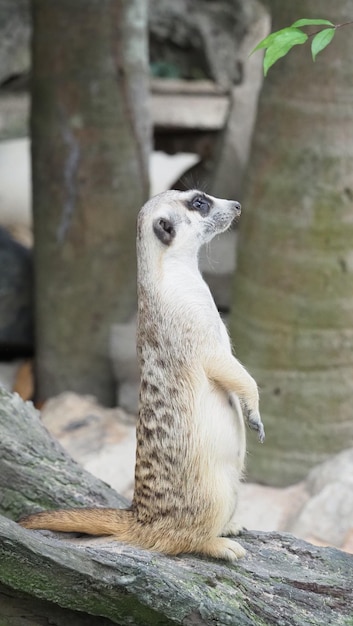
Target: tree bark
pixel 35 471
pixel 90 145
pixel 282 581
pixel 292 320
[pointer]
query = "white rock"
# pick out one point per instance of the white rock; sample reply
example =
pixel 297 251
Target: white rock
pixel 8 373
pixel 328 516
pixel 102 440
pixel 270 508
pixel 336 469
pixel 165 169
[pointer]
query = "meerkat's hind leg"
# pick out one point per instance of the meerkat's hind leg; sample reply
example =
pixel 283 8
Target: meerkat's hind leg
pixel 222 548
pixel 232 529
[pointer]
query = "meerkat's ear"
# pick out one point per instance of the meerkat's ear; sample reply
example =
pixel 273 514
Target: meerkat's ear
pixel 164 230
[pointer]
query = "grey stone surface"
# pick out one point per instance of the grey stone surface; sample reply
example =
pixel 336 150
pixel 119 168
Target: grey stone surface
pixel 199 39
pixel 14 115
pixel 15 61
pixel 14 38
pixel 16 285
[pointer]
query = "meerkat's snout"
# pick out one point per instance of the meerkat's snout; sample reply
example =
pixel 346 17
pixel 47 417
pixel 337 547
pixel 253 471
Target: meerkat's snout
pixel 237 208
pixel 222 214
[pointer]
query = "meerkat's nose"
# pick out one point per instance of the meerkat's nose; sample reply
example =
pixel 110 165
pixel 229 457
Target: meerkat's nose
pixel 237 206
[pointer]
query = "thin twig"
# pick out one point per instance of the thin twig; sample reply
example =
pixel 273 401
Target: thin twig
pixel 335 26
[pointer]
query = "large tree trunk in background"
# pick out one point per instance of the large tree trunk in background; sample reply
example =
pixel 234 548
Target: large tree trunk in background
pixel 292 321
pixel 90 138
pixel 234 148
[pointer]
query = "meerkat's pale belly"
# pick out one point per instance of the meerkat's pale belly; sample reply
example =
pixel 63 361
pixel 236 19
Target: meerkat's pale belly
pixel 219 428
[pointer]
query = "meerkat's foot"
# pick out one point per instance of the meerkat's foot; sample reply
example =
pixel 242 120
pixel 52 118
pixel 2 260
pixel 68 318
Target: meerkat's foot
pixel 232 529
pixel 253 420
pixel 222 548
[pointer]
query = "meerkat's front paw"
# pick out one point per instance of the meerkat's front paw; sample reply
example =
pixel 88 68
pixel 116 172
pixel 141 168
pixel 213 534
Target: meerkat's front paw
pixel 253 420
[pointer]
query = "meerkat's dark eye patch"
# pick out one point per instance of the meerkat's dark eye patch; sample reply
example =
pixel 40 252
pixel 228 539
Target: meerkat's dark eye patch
pixel 200 203
pixel 164 230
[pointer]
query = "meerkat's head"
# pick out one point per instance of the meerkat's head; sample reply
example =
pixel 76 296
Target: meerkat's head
pixel 180 222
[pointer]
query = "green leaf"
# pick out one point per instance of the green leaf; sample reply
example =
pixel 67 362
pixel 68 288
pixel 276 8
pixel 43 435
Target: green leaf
pixel 280 46
pixel 277 35
pixel 305 22
pixel 321 40
pixel 264 43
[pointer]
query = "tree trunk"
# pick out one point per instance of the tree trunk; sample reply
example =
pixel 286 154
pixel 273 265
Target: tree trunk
pixel 292 321
pixel 234 147
pixel 90 146
pixel 282 581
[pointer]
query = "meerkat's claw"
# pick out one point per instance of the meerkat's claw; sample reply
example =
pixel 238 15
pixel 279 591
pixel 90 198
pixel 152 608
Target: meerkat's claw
pixel 254 422
pixel 261 434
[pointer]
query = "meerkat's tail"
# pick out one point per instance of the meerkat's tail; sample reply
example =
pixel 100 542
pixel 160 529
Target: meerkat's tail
pixel 118 522
pixel 123 525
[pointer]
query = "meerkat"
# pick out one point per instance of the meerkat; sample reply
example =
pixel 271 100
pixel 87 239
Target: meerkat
pixel 194 395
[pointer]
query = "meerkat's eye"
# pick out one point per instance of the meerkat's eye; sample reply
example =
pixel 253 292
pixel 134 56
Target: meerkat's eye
pixel 202 204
